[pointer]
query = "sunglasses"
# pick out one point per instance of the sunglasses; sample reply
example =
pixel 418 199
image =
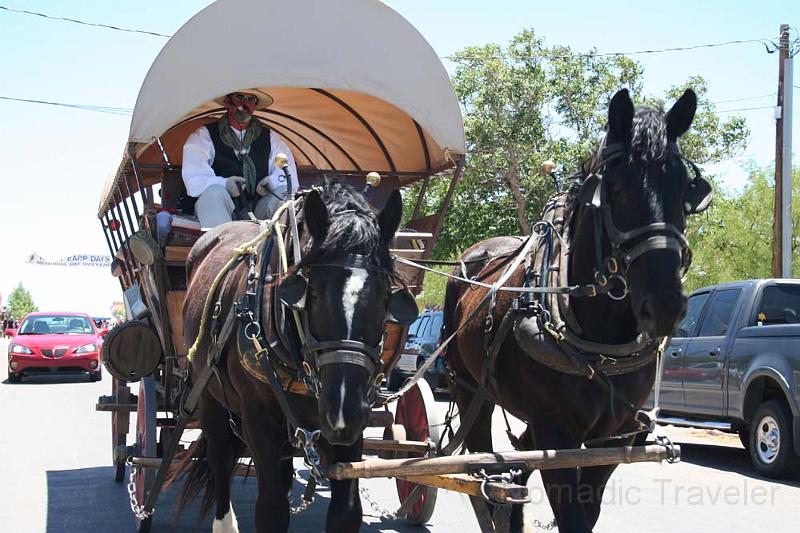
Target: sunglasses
pixel 242 97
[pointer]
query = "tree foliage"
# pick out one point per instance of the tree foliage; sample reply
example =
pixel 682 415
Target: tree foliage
pixel 525 103
pixel 732 240
pixel 20 302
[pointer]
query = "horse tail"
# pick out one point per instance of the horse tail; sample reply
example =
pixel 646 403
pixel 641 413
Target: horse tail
pixel 194 466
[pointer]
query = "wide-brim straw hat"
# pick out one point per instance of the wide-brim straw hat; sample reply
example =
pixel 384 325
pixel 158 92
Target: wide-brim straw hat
pixel 264 99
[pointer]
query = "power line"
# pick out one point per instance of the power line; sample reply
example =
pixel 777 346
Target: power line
pixel 76 21
pixel 772 95
pixel 766 41
pixel 100 109
pixel 126 111
pixel 745 109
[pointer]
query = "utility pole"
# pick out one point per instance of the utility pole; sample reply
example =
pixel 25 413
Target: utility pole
pixel 782 222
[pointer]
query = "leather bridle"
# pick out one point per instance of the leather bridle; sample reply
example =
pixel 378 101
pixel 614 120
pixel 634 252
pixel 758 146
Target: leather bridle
pixel 317 354
pixel 626 246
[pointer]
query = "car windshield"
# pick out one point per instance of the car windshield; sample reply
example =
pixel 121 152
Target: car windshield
pixel 56 324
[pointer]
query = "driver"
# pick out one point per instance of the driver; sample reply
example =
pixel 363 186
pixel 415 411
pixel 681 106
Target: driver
pixel 228 164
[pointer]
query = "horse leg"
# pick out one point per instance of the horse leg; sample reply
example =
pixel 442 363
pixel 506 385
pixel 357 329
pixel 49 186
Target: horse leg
pixel 344 512
pixel 561 486
pixel 596 478
pixel 517 520
pixel 265 442
pixel 222 451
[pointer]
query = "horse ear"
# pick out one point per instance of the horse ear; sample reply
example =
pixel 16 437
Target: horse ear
pixel 680 117
pixel 620 114
pixel 316 215
pixel 390 215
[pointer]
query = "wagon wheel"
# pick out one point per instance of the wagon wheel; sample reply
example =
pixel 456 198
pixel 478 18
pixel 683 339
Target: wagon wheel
pixel 417 415
pixel 145 443
pixel 120 421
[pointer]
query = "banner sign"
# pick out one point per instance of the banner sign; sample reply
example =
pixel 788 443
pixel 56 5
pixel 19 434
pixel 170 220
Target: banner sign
pixel 77 260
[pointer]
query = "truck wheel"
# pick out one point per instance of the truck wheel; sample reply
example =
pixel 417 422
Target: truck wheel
pixel 770 447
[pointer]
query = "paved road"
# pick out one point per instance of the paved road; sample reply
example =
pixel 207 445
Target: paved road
pixel 55 477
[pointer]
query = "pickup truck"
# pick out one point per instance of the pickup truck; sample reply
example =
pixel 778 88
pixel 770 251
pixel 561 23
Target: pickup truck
pixel 734 365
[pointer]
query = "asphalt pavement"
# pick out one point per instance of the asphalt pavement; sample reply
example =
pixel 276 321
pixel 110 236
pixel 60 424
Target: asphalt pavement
pixel 56 476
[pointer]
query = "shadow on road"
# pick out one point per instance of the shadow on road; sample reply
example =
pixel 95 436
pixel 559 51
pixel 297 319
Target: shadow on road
pixel 88 499
pixel 726 458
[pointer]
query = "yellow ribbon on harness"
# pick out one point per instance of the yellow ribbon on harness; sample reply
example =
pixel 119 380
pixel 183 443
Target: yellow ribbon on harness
pixel 247 248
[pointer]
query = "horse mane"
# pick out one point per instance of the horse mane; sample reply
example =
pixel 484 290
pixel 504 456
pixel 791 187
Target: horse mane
pixel 353 229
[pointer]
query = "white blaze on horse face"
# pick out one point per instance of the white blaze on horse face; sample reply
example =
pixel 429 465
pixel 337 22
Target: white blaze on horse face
pixel 340 425
pixel 352 289
pixel 228 524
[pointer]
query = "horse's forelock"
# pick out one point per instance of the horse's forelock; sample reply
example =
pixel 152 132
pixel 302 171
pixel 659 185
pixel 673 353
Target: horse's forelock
pixel 649 136
pixel 353 228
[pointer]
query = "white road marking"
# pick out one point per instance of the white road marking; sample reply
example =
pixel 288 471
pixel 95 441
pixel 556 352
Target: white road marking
pixel 352 289
pixel 228 524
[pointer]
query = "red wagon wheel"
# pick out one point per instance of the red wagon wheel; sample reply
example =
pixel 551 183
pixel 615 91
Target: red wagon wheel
pixel 419 419
pixel 145 444
pixel 119 428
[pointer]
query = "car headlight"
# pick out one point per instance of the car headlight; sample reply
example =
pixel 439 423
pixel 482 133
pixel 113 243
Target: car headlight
pixel 18 348
pixel 86 348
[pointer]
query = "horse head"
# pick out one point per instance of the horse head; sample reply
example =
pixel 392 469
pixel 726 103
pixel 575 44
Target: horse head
pixel 640 191
pixel 342 289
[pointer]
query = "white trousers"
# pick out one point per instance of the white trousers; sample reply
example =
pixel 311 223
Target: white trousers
pixel 215 206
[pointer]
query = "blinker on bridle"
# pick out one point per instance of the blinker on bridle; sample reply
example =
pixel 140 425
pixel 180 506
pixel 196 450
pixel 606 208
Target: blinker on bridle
pixel 627 246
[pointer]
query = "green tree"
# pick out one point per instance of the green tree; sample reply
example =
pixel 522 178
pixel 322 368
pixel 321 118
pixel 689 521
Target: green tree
pixel 732 240
pixel 524 103
pixel 20 302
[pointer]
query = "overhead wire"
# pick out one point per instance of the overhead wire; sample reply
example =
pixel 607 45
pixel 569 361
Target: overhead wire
pixel 85 107
pixel 85 23
pixel 766 41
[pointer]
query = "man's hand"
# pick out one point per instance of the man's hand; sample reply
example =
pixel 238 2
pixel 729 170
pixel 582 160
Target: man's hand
pixel 264 186
pixel 233 184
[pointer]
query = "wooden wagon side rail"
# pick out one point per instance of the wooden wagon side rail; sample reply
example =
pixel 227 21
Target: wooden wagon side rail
pixel 534 460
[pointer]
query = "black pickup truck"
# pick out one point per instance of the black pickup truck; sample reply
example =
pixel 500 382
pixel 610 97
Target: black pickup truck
pixel 734 365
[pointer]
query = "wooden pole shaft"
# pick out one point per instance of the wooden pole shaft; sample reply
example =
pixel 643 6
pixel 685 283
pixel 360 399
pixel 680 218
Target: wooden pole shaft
pixel 534 460
pixel 498 491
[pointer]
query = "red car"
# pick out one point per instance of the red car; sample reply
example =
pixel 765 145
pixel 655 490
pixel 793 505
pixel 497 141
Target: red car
pixel 51 342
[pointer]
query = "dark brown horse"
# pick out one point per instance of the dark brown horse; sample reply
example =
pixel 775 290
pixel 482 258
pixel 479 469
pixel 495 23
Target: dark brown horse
pixel 345 281
pixel 638 180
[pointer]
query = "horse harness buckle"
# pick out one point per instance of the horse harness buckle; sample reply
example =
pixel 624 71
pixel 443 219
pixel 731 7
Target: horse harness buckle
pixel 307 441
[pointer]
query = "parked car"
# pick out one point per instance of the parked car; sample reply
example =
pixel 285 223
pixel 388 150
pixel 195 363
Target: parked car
pixel 734 365
pixel 424 336
pixel 51 342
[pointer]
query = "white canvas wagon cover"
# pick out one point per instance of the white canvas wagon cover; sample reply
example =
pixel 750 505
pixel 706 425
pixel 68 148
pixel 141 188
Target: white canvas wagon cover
pixel 355 87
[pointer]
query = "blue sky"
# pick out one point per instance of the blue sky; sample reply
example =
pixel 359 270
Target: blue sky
pixel 53 161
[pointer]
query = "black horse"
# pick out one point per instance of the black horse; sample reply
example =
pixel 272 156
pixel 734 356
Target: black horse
pixel 639 181
pixel 345 281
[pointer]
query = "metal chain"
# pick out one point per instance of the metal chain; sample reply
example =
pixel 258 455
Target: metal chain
pixel 137 509
pixel 304 504
pixel 383 513
pixel 547 527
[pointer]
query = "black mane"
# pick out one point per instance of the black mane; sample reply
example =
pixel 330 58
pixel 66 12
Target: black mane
pixel 353 229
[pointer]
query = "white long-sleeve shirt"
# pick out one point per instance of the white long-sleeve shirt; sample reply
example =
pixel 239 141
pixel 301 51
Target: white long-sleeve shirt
pixel 198 155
